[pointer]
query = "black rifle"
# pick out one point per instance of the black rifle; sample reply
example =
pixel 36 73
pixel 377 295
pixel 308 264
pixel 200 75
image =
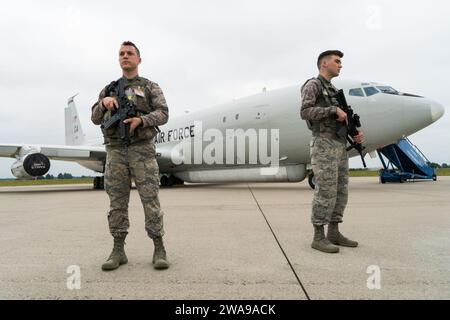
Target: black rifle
pixel 126 110
pixel 353 123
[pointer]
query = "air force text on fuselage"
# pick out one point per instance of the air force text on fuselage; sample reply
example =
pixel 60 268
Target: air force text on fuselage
pixel 175 134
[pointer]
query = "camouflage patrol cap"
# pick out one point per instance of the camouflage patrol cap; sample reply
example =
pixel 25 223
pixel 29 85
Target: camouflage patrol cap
pixel 327 53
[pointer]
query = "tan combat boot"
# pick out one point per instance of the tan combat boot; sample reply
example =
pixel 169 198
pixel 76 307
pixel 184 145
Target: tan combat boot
pixel 117 256
pixel 321 243
pixel 159 255
pixel 337 238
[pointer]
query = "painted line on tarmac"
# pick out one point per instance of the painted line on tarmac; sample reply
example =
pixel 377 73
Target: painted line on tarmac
pixel 279 244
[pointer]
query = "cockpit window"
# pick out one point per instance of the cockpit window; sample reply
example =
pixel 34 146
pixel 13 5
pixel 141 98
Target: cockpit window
pixel 357 92
pixel 387 89
pixel 370 91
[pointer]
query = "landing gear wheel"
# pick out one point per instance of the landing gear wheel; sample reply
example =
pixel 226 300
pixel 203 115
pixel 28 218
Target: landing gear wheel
pixel 164 181
pixel 99 183
pixel 311 180
pixel 170 180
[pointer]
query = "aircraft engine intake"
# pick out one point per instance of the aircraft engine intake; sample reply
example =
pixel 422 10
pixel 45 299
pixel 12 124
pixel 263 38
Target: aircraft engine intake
pixel 30 166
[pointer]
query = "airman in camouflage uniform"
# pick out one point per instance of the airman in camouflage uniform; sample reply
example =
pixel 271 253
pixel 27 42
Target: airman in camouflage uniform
pixel 329 158
pixel 135 160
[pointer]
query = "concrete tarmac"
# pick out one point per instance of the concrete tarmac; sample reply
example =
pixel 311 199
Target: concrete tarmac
pixel 240 241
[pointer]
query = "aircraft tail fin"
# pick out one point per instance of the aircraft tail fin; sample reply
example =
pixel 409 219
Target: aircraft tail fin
pixel 74 133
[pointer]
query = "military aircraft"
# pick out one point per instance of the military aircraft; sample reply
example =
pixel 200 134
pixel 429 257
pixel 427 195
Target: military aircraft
pixel 231 142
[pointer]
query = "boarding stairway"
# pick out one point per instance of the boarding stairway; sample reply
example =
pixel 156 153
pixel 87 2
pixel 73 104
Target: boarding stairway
pixel 404 161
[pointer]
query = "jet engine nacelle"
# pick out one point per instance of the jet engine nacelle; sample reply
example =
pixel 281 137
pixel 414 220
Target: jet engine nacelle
pixel 30 166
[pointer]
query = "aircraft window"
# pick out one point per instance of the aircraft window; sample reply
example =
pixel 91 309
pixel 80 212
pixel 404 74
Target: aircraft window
pixel 357 92
pixel 387 89
pixel 370 91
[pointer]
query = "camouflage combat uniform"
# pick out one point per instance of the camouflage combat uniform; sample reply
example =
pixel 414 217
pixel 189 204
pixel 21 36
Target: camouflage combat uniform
pixel 136 161
pixel 329 158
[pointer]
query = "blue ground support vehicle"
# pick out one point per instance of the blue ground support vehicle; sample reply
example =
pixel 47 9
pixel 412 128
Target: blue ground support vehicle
pixel 405 162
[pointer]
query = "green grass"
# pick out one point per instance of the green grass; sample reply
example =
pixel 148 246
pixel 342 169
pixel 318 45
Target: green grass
pixel 375 173
pixel 16 183
pixel 364 173
pixel 443 172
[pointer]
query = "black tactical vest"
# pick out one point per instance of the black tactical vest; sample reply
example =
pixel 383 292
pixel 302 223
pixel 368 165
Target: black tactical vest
pixel 137 90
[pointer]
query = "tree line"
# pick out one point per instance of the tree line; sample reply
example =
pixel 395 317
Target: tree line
pixel 64 175
pixel 437 165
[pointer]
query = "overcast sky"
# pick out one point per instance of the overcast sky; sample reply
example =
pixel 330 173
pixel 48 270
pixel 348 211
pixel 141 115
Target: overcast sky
pixel 204 53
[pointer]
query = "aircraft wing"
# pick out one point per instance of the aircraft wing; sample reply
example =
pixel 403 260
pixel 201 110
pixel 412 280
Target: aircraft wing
pixel 9 150
pixel 55 152
pixel 92 157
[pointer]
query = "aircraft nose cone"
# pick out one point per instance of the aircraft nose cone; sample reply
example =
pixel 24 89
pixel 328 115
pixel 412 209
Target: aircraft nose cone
pixel 437 110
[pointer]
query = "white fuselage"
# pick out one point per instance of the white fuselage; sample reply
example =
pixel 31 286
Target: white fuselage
pixel 385 118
